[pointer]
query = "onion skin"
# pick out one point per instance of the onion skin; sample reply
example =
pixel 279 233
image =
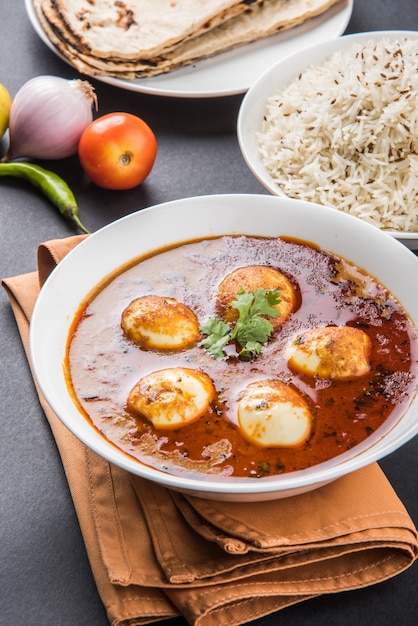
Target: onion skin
pixel 48 116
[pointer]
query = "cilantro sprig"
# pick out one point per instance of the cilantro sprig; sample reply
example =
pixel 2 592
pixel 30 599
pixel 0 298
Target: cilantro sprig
pixel 218 336
pixel 251 329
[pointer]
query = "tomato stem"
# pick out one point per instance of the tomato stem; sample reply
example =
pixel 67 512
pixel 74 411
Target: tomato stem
pixel 125 158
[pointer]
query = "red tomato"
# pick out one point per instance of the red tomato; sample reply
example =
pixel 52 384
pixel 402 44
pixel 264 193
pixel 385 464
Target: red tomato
pixel 117 151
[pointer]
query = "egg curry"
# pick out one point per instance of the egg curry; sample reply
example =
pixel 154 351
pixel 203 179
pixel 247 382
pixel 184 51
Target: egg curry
pixel 241 356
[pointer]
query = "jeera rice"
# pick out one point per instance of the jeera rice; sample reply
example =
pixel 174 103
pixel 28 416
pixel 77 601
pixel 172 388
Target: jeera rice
pixel 345 134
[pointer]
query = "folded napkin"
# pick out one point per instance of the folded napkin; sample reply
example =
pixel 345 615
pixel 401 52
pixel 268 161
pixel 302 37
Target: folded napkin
pixel 156 553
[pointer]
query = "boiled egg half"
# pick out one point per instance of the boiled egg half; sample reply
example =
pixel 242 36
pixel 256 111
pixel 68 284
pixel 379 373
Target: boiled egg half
pixel 332 352
pixel 272 414
pixel 160 323
pixel 173 397
pixel 251 278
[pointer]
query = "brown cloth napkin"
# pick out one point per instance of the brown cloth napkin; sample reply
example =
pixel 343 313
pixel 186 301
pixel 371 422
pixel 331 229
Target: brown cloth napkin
pixel 157 554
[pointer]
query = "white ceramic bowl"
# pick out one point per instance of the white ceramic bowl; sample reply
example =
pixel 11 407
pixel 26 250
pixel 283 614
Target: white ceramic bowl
pixel 252 110
pixel 152 228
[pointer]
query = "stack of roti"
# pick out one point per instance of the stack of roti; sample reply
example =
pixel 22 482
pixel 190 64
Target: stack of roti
pixel 139 38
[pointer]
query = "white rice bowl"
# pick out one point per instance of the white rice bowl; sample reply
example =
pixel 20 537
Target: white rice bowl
pixel 337 125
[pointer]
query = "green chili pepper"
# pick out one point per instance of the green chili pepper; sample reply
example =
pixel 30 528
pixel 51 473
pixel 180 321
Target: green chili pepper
pixel 52 185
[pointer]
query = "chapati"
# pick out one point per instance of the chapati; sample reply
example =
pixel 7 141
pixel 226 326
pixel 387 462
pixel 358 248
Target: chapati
pixel 255 21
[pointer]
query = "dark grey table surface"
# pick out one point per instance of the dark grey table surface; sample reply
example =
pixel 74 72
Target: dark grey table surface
pixel 45 578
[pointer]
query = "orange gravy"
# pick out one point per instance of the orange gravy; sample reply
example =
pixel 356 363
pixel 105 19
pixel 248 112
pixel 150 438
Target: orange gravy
pixel 103 366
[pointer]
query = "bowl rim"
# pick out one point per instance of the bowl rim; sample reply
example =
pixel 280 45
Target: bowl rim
pixel 321 473
pixel 263 87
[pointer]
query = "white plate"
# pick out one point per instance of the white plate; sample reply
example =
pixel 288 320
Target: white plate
pixel 232 72
pixel 250 117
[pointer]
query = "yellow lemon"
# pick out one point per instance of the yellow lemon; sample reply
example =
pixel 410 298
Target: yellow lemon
pixel 5 106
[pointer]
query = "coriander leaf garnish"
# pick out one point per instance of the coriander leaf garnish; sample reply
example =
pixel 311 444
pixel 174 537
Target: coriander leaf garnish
pixel 251 330
pixel 251 348
pixel 218 335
